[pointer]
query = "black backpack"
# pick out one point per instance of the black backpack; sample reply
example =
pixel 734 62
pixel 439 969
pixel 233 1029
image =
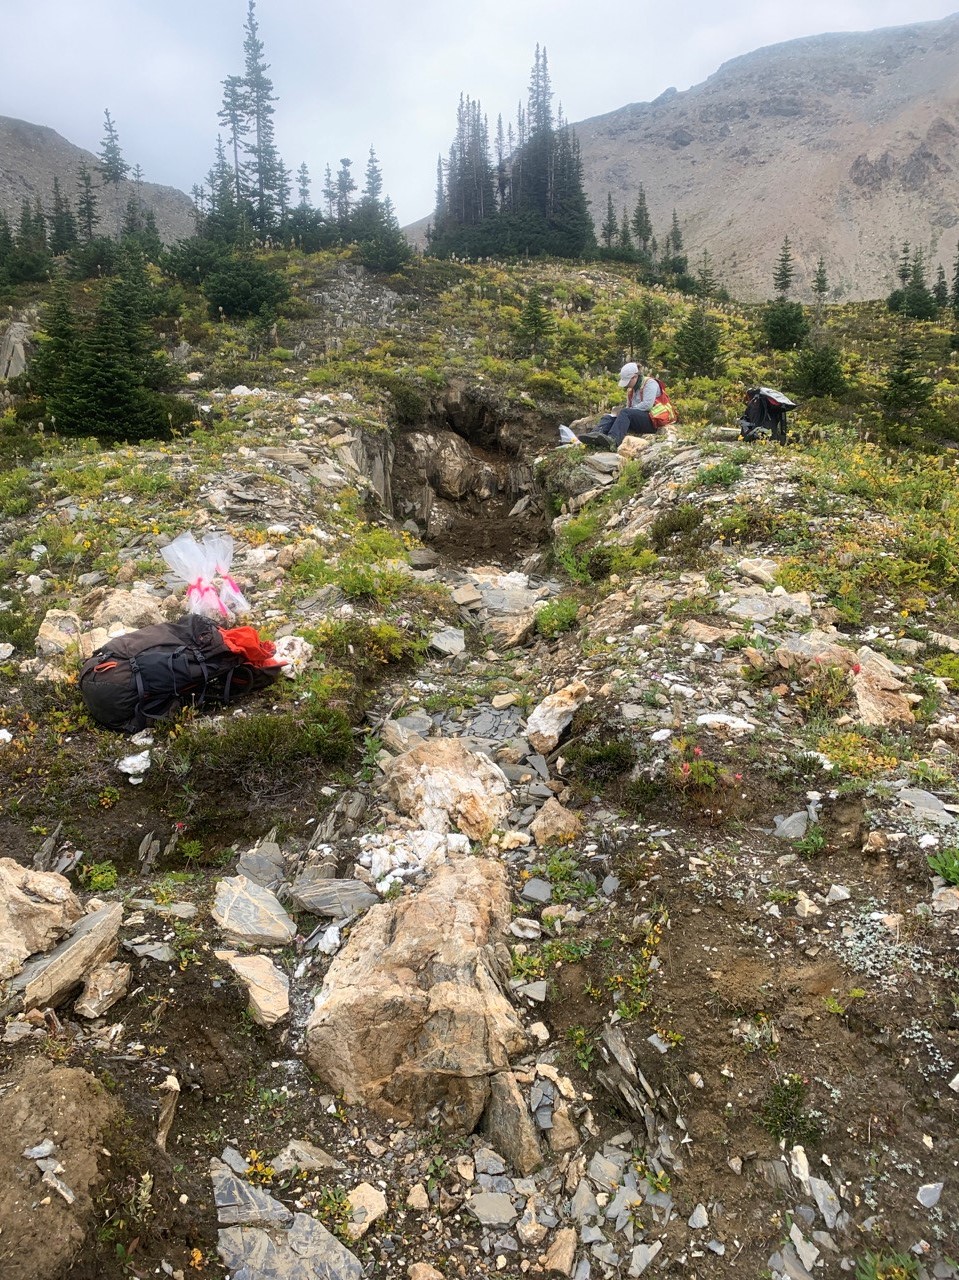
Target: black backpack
pixel 148 675
pixel 765 415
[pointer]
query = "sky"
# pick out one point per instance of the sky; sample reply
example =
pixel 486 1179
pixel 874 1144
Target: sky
pixel 374 72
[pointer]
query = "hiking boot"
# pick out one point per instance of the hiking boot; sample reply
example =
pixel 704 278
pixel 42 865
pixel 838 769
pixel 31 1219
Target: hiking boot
pixel 596 440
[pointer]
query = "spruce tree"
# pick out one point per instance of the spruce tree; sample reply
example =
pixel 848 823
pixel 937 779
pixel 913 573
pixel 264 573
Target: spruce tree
pixel 904 268
pixel 303 185
pixel 536 323
pixel 234 116
pixel 87 205
pixel 329 192
pixel 265 169
pixel 820 283
pixel 699 344
pixel 632 330
pixel 675 237
pixel 345 186
pixel 642 224
pixel 607 232
pixel 818 371
pixel 624 241
pixel 785 270
pixel 705 277
pixel 940 290
pixel 56 356
pixel 112 164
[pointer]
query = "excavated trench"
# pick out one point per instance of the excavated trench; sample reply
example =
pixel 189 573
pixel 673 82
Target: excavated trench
pixel 463 480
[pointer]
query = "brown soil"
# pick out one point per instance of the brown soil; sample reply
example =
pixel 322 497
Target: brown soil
pixel 41 1231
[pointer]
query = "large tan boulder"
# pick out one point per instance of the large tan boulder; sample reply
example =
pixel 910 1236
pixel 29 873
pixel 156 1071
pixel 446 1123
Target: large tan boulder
pixel 555 824
pixel 411 1015
pixel 36 909
pixel 443 786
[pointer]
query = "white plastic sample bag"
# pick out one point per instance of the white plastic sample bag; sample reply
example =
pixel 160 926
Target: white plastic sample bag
pixel 200 564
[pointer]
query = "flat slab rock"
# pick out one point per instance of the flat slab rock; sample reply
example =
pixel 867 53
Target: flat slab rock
pixel 314 892
pixel 48 980
pixel 249 913
pixel 306 1252
pixel 239 1204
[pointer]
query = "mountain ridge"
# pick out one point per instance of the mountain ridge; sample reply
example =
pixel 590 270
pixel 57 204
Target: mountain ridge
pixel 31 155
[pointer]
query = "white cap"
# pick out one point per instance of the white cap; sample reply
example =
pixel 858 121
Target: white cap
pixel 628 372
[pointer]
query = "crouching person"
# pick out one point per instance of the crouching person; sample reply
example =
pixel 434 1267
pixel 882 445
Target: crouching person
pixel 646 411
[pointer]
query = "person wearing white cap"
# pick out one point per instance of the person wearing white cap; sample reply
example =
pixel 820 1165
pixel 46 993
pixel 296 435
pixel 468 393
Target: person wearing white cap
pixel 634 417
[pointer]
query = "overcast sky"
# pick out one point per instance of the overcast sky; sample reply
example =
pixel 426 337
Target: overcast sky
pixel 373 72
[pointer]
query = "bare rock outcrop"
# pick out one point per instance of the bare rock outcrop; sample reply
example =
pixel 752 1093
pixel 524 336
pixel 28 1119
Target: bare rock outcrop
pixel 443 785
pixel 411 1015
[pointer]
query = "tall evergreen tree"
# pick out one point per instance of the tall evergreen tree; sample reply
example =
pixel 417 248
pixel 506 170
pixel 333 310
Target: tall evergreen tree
pixel 624 241
pixel 607 232
pixel 87 205
pixel 785 270
pixel 820 284
pixel 904 268
pixel 112 164
pixel 705 277
pixel 674 239
pixel 303 185
pixel 329 192
pixel 345 186
pixel 63 225
pixel 234 116
pixel 642 224
pixel 940 290
pixel 264 166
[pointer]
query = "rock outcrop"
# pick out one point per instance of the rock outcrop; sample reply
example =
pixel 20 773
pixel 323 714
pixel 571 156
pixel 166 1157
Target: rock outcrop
pixel 441 784
pixel 411 1015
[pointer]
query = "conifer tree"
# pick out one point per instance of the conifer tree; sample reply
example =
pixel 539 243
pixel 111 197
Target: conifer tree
pixel 940 290
pixel 632 330
pixel 820 283
pixel 329 192
pixel 954 292
pixel 624 241
pixel 87 204
pixel 303 185
pixel 345 186
pixel 264 166
pixel 642 224
pixel 234 116
pixel 699 344
pixel 112 164
pixel 705 277
pixel 536 323
pixel 675 238
pixel 607 232
pixel 904 269
pixel 785 270
pixel 56 356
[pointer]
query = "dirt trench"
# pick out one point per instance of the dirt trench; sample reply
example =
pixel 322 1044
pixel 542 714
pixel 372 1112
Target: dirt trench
pixel 464 480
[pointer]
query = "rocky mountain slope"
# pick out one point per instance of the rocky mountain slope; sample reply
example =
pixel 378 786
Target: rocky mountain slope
pixel 31 156
pixel 584 904
pixel 847 143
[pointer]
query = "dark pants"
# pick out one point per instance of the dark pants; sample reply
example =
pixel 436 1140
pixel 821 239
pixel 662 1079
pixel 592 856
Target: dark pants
pixel 636 422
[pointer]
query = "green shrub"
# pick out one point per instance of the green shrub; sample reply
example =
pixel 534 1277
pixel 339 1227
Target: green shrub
pixel 16 497
pixel 261 754
pixel 98 877
pixel 722 475
pixel 684 519
pixel 557 616
pixel 410 405
pixel 243 287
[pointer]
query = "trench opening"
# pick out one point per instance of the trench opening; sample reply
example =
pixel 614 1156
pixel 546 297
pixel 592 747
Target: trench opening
pixel 464 480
